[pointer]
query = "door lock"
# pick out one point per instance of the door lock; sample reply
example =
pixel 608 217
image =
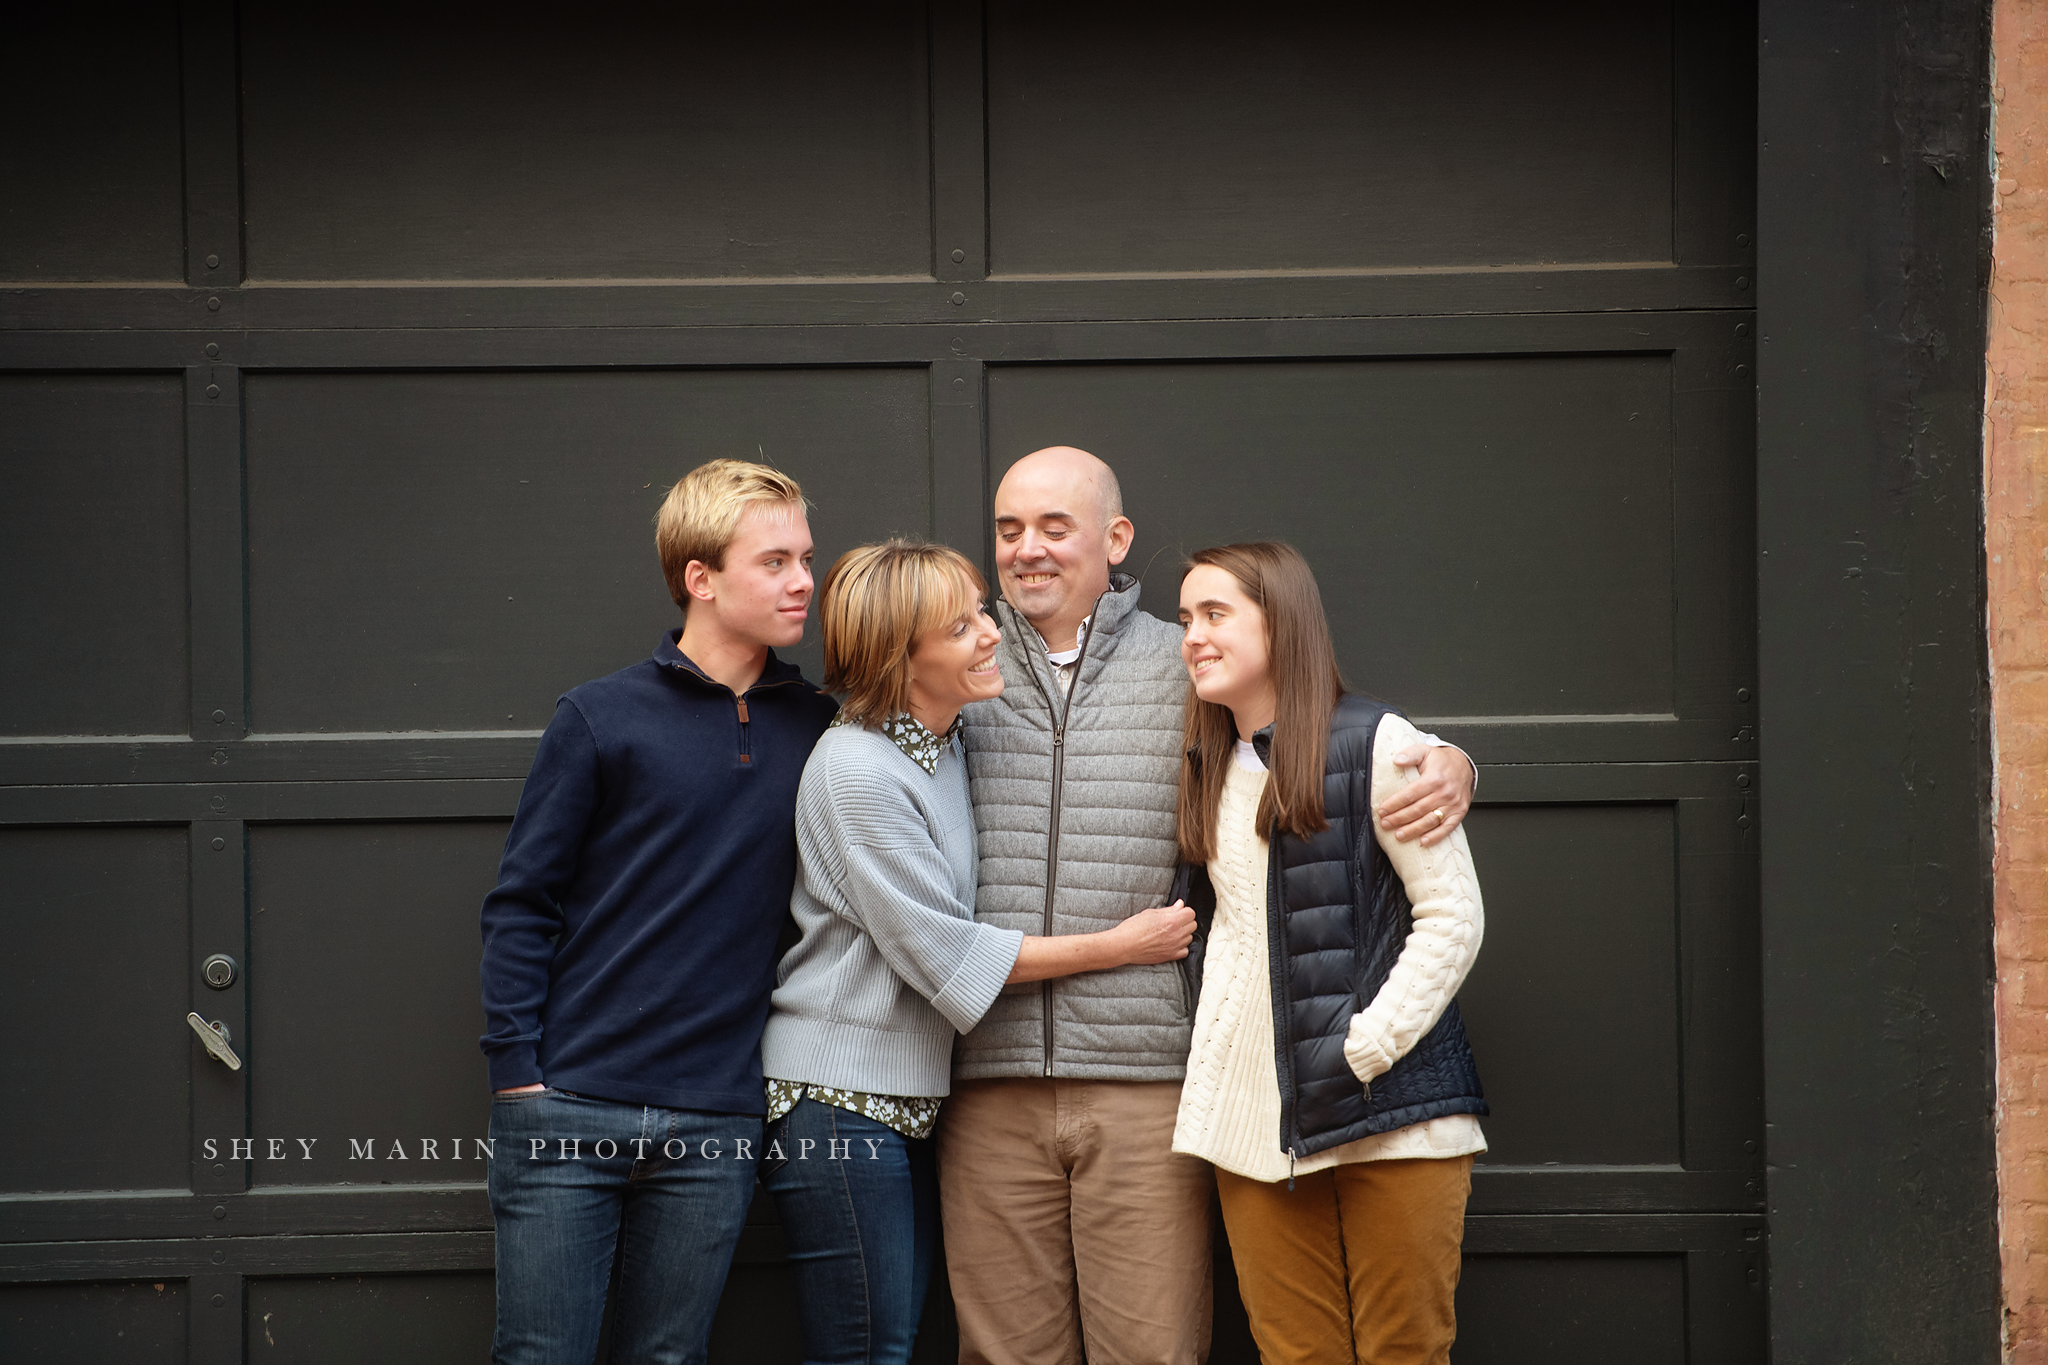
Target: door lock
pixel 215 1035
pixel 219 971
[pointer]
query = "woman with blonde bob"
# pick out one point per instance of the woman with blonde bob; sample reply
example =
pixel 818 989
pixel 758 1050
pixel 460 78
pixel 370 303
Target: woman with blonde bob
pixel 1331 1085
pixel 890 964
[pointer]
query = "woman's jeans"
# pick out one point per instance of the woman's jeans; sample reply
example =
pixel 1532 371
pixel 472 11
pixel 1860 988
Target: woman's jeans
pixel 574 1178
pixel 859 1208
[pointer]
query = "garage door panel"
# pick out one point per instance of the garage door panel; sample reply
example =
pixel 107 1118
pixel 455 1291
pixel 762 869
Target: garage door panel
pixel 1493 536
pixel 662 143
pixel 93 159
pixel 364 1000
pixel 98 926
pixel 92 552
pixel 1573 1310
pixel 1159 138
pixel 342 1319
pixel 489 282
pixel 110 1323
pixel 453 551
pixel 1576 985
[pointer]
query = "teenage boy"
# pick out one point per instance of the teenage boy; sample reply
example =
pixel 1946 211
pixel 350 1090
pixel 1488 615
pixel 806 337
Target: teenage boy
pixel 1072 1230
pixel 629 948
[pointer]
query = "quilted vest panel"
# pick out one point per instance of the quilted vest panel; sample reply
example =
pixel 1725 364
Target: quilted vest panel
pixel 1107 759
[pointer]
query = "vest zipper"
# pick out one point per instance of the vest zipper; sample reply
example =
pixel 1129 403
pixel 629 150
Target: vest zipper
pixel 1052 858
pixel 745 755
pixel 1276 963
pixel 1052 833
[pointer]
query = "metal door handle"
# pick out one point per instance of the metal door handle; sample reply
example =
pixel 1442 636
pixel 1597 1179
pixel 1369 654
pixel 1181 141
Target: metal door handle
pixel 215 1035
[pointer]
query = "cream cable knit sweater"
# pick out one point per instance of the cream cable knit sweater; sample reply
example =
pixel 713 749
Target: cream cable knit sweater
pixel 1230 1101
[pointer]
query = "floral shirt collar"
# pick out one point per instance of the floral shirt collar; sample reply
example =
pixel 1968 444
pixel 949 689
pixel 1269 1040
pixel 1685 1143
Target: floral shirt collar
pixel 908 733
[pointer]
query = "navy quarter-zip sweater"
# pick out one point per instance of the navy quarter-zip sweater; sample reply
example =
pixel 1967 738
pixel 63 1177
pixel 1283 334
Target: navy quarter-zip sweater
pixel 629 947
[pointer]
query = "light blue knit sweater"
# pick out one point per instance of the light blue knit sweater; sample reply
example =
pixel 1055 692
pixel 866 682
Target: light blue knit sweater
pixel 891 963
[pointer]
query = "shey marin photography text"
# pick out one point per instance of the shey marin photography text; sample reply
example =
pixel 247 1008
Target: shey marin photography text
pixel 539 1149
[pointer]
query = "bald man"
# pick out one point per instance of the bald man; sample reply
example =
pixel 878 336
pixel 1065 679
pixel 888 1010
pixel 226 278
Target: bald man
pixel 1072 1229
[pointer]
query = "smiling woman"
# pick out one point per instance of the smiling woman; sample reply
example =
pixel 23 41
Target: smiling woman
pixel 952 664
pixel 1374 1109
pixel 891 965
pixel 904 632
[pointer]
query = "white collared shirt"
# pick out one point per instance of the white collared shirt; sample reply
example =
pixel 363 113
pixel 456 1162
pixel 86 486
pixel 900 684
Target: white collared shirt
pixel 1063 660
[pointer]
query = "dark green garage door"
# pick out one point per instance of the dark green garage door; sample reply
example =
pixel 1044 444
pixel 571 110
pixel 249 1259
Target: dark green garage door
pixel 343 362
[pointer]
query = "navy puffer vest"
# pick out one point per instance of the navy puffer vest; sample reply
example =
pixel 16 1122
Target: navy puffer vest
pixel 1337 917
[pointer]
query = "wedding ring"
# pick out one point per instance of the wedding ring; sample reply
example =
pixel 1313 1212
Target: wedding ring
pixel 1439 814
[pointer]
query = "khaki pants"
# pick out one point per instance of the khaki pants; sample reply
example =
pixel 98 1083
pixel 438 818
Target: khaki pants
pixel 1072 1230
pixel 1356 1263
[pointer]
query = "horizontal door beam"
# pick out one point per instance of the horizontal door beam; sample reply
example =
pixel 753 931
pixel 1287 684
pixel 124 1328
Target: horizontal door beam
pixel 1625 286
pixel 878 340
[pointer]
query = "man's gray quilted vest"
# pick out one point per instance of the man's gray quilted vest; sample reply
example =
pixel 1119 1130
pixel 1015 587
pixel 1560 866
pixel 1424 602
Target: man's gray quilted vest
pixel 1117 762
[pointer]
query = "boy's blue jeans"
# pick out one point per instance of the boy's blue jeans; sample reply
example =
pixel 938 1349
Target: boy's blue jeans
pixel 572 1179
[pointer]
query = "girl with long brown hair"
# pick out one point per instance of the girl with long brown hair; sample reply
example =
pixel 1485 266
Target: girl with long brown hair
pixel 1329 1082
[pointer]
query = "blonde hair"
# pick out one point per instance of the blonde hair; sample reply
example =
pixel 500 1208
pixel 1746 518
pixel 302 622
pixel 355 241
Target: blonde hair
pixel 701 515
pixel 878 602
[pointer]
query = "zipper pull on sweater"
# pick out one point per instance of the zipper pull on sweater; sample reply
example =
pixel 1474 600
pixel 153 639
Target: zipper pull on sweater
pixel 1290 1168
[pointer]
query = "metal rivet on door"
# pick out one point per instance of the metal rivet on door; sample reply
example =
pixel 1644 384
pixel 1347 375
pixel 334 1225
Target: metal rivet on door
pixel 212 349
pixel 213 305
pixel 1742 281
pixel 213 390
pixel 219 843
pixel 959 299
pixel 213 262
pixel 958 254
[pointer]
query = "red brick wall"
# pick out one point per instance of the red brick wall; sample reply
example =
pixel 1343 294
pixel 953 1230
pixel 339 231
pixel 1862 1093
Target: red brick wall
pixel 2016 548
